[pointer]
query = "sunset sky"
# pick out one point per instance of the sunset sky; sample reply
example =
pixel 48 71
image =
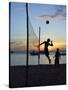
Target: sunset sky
pixel 38 14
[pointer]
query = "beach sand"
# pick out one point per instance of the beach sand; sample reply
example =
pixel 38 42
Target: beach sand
pixel 38 75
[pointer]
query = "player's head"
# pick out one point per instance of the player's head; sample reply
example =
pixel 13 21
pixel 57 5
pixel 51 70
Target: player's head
pixel 57 49
pixel 48 40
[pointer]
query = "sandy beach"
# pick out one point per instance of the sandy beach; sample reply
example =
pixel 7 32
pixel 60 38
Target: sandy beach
pixel 38 75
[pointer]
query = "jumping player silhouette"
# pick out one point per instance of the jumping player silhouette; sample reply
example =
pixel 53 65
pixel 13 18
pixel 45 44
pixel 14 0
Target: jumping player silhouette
pixel 46 51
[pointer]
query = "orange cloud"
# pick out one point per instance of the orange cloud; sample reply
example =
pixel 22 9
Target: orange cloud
pixel 60 45
pixel 22 47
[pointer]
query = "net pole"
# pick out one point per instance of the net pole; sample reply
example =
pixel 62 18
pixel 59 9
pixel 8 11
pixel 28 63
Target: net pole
pixel 27 22
pixel 39 48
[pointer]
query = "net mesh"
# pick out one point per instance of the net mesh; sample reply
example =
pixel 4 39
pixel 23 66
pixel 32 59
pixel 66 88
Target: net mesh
pixel 33 39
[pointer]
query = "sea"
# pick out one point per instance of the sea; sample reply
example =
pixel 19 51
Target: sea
pixel 20 59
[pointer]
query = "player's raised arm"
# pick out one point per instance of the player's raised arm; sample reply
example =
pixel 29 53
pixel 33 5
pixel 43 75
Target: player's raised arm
pixel 42 43
pixel 51 44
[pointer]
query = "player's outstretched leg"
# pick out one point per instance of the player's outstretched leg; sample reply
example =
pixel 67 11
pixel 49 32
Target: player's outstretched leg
pixel 49 59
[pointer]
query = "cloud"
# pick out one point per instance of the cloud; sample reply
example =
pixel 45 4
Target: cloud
pixel 59 13
pixel 60 10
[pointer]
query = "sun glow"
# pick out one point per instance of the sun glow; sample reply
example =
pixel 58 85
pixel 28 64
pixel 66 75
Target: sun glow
pixel 60 45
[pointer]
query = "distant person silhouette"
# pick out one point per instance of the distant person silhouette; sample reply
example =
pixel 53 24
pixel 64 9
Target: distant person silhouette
pixel 57 56
pixel 46 51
